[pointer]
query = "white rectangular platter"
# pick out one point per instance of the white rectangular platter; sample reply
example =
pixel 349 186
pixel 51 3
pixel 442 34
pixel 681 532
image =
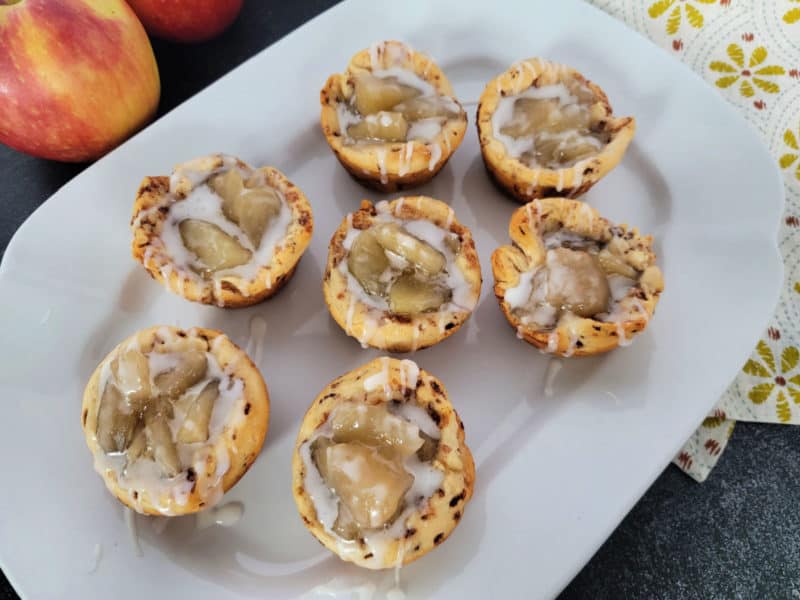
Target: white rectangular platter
pixel 555 475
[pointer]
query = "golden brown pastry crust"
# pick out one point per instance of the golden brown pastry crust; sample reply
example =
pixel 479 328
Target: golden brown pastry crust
pixel 526 183
pixel 578 336
pixel 433 522
pixel 151 209
pixel 396 333
pixel 363 161
pixel 242 442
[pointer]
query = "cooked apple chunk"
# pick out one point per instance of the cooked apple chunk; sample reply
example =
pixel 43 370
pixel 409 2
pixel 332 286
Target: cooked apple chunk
pixel 132 374
pixel 374 94
pixel 190 368
pixel 160 438
pixel 116 420
pixel 139 446
pixel 252 209
pixel 213 247
pixel 576 282
pixel 426 107
pixel 370 486
pixel 367 262
pixel 198 417
pixel 375 426
pixel 615 265
pixel 410 295
pixel 383 126
pixel 396 239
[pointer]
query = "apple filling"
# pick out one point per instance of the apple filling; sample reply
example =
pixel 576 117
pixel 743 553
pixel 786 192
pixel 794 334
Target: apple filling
pixel 394 105
pixel 398 269
pixel 228 224
pixel 581 277
pixel 554 126
pixel 157 412
pixel 370 458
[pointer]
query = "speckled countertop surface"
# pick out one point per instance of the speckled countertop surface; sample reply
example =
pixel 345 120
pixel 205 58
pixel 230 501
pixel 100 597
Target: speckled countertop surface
pixel 735 536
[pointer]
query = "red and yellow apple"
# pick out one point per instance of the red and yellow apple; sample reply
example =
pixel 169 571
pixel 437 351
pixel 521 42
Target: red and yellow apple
pixel 77 77
pixel 186 20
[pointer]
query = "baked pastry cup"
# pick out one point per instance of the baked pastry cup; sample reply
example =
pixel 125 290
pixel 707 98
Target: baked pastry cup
pixel 402 275
pixel 572 283
pixel 220 232
pixel 380 472
pixel 174 419
pixel 391 118
pixel 545 130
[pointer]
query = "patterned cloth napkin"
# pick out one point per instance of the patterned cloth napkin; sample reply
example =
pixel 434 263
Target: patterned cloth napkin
pixel 749 50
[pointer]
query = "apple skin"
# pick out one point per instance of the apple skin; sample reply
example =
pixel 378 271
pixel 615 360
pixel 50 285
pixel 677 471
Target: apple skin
pixel 77 77
pixel 186 21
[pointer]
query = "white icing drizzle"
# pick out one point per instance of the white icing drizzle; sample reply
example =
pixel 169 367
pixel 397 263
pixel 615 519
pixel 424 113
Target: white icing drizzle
pixel 552 341
pixel 621 335
pixel 396 592
pixel 620 286
pixel 159 524
pixel 405 158
pixel 425 129
pixel 518 295
pixel 560 184
pixel 553 367
pixel 409 374
pixel 148 254
pixel 446 140
pixel 419 416
pixel 130 521
pixel 226 515
pixel 450 216
pixel 343 588
pixel 351 309
pixel 577 178
pixel 194 172
pixel 587 215
pixel 529 212
pixel 218 292
pixel 379 379
pixel 564 237
pixel 393 53
pixel 181 283
pixel 436 155
pixel 573 335
pixel 535 180
pixel 380 154
pixel 97 555
pixel 406 77
pixel 255 343
pixel 375 50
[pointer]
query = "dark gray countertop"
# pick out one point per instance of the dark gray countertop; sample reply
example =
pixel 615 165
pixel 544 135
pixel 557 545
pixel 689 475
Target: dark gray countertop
pixel 735 536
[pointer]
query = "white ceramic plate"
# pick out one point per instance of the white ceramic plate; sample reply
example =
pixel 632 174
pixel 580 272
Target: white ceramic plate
pixel 554 476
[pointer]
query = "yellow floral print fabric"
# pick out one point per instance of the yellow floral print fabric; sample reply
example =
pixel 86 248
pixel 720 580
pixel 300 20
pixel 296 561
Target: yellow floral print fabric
pixel 749 51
